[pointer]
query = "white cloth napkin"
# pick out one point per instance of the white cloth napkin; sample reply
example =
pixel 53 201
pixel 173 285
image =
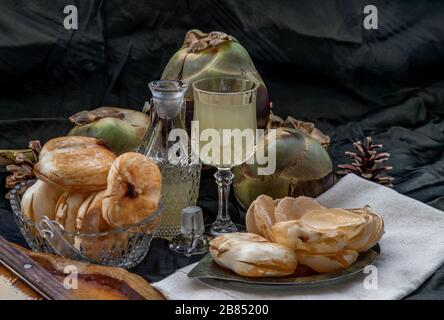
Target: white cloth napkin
pixel 412 249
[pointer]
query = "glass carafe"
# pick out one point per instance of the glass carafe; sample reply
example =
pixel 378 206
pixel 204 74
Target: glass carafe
pixel 168 144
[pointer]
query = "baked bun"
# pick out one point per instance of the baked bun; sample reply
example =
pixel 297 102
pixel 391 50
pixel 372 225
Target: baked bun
pixel 134 189
pixel 251 255
pixel 75 163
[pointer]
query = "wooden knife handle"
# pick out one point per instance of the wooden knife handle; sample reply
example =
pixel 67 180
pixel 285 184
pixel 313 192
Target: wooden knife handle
pixel 31 273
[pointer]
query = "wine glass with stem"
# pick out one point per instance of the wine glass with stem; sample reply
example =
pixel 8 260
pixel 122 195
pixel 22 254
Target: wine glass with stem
pixel 225 125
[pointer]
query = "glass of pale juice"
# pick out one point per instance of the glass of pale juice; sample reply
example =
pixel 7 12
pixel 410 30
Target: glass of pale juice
pixel 225 133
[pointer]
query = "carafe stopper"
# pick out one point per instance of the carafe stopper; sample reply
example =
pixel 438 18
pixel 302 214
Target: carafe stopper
pixel 192 240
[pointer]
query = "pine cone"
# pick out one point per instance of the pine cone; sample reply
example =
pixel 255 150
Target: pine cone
pixel 21 170
pixel 367 163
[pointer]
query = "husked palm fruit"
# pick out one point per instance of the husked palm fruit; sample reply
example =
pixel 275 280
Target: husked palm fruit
pixel 303 168
pixel 325 263
pixel 297 236
pixel 290 208
pixel 121 129
pixel 251 255
pixel 260 217
pixel 39 201
pixel 304 225
pixel 372 231
pixel 75 163
pixel 67 209
pixel 215 54
pixel 90 221
pixel 133 191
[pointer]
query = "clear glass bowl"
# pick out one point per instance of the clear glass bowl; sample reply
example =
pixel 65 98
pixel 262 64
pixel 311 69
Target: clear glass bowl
pixel 120 247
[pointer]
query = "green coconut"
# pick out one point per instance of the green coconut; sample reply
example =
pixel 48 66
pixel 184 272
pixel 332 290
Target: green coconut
pixel 303 167
pixel 121 129
pixel 215 54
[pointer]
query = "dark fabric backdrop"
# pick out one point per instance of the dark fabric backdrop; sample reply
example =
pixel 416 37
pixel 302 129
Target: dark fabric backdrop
pixel 316 58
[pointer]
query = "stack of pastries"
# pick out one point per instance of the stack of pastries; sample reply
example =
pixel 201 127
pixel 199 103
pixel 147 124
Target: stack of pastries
pixel 290 231
pixel 87 189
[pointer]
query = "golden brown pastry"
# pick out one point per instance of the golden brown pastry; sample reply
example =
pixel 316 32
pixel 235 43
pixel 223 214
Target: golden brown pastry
pixel 251 255
pixel 75 163
pixel 133 192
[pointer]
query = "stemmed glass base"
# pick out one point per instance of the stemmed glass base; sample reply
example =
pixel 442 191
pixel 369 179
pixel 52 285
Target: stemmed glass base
pixel 223 223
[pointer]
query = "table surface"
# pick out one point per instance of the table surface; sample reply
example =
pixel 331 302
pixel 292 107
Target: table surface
pixel 161 262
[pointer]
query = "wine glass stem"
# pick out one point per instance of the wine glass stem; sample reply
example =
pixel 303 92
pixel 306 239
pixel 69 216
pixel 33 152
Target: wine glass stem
pixel 223 223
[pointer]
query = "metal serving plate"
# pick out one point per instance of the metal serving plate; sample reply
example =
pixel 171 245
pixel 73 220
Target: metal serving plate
pixel 208 269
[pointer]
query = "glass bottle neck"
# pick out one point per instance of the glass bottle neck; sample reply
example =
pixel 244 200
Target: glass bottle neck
pixel 165 141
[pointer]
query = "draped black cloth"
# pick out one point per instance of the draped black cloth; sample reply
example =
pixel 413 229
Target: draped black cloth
pixel 320 64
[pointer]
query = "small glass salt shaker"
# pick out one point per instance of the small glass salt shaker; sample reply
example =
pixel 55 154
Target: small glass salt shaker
pixel 192 240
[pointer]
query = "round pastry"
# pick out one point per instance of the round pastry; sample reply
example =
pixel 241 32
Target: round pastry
pixel 75 163
pixel 133 192
pixel 251 255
